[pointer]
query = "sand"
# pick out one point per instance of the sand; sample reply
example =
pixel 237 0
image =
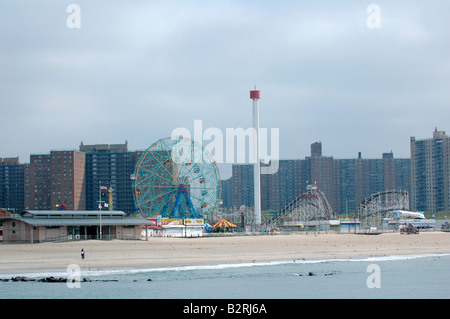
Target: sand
pixel 157 252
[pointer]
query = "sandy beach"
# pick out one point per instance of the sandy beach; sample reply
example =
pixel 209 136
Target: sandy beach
pixel 157 252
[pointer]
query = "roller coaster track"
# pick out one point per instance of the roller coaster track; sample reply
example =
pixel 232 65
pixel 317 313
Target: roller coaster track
pixel 312 205
pixel 377 206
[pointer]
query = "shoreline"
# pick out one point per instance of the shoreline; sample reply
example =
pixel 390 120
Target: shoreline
pixel 61 275
pixel 159 252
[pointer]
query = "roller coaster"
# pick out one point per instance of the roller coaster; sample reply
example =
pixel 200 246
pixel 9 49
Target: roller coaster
pixel 310 206
pixel 376 207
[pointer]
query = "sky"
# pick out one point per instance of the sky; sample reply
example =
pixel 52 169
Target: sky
pixel 136 70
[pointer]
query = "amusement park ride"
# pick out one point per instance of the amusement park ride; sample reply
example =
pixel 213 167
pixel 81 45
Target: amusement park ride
pixel 407 214
pixel 176 178
pixel 405 226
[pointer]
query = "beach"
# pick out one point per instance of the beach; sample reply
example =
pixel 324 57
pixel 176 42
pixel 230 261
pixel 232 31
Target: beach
pixel 164 251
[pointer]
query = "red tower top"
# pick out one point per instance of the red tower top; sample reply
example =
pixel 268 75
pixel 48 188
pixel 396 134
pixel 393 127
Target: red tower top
pixel 255 94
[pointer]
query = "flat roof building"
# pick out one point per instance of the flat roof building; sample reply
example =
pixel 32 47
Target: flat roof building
pixel 430 173
pixel 110 165
pixel 39 226
pixel 12 184
pixel 68 186
pixel 56 179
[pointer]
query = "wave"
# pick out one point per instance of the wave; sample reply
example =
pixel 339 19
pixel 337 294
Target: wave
pixel 124 271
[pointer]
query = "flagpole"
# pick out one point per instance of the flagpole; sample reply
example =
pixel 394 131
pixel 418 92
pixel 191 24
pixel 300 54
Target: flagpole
pixel 100 205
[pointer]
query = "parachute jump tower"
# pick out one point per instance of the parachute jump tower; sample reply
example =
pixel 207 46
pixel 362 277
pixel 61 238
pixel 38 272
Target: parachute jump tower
pixel 255 95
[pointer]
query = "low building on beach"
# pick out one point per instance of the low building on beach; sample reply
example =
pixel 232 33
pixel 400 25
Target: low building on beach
pixel 40 226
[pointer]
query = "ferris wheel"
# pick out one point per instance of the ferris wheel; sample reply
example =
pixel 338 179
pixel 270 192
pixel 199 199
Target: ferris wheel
pixel 176 178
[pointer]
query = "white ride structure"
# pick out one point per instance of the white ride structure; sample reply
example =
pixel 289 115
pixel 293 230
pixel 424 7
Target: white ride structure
pixel 407 214
pixel 255 95
pixel 311 206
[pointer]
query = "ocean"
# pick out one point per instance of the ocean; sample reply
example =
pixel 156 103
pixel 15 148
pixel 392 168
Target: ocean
pixel 397 277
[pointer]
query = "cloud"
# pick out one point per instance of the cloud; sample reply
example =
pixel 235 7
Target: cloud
pixel 138 70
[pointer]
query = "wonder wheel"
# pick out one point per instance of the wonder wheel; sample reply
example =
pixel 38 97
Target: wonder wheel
pixel 176 178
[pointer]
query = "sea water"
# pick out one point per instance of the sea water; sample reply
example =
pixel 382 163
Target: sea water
pixel 410 277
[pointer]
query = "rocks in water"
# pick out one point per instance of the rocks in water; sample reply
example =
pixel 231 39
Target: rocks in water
pixel 21 278
pixel 322 273
pixel 26 279
pixel 52 279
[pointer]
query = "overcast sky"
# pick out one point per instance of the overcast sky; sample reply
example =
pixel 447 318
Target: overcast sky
pixel 136 70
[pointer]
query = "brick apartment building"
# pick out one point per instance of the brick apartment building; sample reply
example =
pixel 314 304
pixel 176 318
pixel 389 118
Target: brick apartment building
pixel 55 179
pixel 67 179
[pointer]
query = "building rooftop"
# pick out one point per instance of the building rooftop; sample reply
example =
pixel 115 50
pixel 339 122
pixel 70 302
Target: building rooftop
pixel 71 214
pixel 104 148
pixel 77 218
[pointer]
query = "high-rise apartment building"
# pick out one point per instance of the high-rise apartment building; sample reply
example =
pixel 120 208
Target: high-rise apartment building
pixel 226 192
pixel 71 179
pixel 316 149
pixel 345 182
pixel 242 186
pixel 358 178
pixel 277 190
pixel 110 165
pixel 285 185
pixel 56 180
pixel 320 171
pixel 12 180
pixel 68 186
pixel 38 188
pixel 430 170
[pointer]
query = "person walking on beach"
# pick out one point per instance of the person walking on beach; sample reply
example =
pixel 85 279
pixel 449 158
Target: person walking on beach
pixel 82 253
